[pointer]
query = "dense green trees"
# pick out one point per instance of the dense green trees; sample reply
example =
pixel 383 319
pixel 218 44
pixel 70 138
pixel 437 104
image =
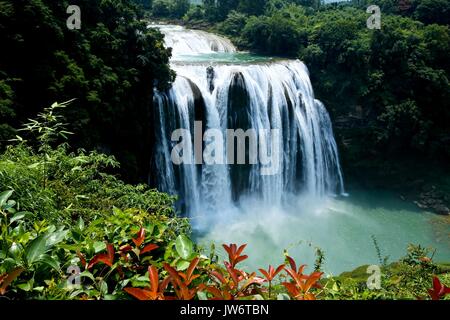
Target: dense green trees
pixel 170 8
pixel 110 66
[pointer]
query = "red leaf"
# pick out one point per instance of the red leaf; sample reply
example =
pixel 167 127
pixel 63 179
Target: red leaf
pixel 148 248
pixel 191 268
pixel 155 291
pixel 241 249
pixel 154 279
pixel 234 254
pixel 292 289
pixel 439 290
pixel 8 278
pixel 164 284
pixel 140 294
pixel 106 258
pixel 279 269
pixel 292 263
pixel 233 274
pixel 173 273
pixel 265 274
pixel 82 259
pixel 219 277
pixel 271 273
pixel 240 259
pixel 3 277
pixel 140 238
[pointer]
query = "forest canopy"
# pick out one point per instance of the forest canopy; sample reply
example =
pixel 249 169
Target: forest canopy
pixel 110 66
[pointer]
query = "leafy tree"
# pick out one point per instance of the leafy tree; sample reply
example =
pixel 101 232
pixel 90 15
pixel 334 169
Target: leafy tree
pixel 433 11
pixel 180 8
pixel 161 8
pixel 252 7
pixel 111 66
pixel 195 13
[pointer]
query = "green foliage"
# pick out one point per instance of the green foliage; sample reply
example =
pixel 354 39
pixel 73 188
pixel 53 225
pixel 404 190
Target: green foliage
pixel 66 203
pixel 110 66
pixel 61 186
pixel 195 13
pixel 252 7
pixel 27 247
pixel 426 11
pixel 433 11
pixel 408 279
pixel 113 258
pixel 234 24
pixel 170 8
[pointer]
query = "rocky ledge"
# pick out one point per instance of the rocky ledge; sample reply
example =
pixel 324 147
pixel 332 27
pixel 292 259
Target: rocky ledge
pixel 433 199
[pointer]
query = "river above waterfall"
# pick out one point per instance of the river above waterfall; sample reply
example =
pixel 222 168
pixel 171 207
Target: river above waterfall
pixel 305 205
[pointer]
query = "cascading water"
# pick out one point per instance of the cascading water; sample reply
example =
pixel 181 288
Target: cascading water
pixel 265 95
pixel 292 209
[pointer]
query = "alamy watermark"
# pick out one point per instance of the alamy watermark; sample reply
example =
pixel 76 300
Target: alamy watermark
pixel 374 280
pixel 74 279
pixel 374 21
pixel 212 148
pixel 74 20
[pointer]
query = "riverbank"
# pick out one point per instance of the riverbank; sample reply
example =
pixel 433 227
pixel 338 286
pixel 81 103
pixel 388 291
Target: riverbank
pixel 420 180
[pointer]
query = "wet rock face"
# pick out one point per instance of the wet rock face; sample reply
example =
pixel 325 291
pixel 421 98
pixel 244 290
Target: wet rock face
pixel 239 117
pixel 433 199
pixel 210 75
pixel 199 103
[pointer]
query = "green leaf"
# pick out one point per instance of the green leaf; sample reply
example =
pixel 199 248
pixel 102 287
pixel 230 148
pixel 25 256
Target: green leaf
pixel 283 296
pixel 15 250
pixel 99 246
pixel 80 224
pixel 4 196
pixel 103 287
pixel 50 261
pixel 35 249
pixel 19 216
pixel 9 204
pixel 27 286
pixel 56 237
pixel 39 289
pixel 202 296
pixel 87 274
pixel 76 293
pixel 182 265
pixel 184 247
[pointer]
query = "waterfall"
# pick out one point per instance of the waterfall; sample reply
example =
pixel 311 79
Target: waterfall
pixel 261 96
pixel 185 42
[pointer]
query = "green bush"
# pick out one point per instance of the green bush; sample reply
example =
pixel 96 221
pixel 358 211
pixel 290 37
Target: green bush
pixel 61 186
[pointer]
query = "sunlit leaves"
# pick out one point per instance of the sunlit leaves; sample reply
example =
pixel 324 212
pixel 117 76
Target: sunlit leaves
pixel 184 247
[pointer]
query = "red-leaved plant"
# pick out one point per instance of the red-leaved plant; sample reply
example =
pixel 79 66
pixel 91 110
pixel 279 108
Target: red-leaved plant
pixel 156 289
pixel 439 290
pixel 270 275
pixel 183 282
pixel 300 287
pixel 231 283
